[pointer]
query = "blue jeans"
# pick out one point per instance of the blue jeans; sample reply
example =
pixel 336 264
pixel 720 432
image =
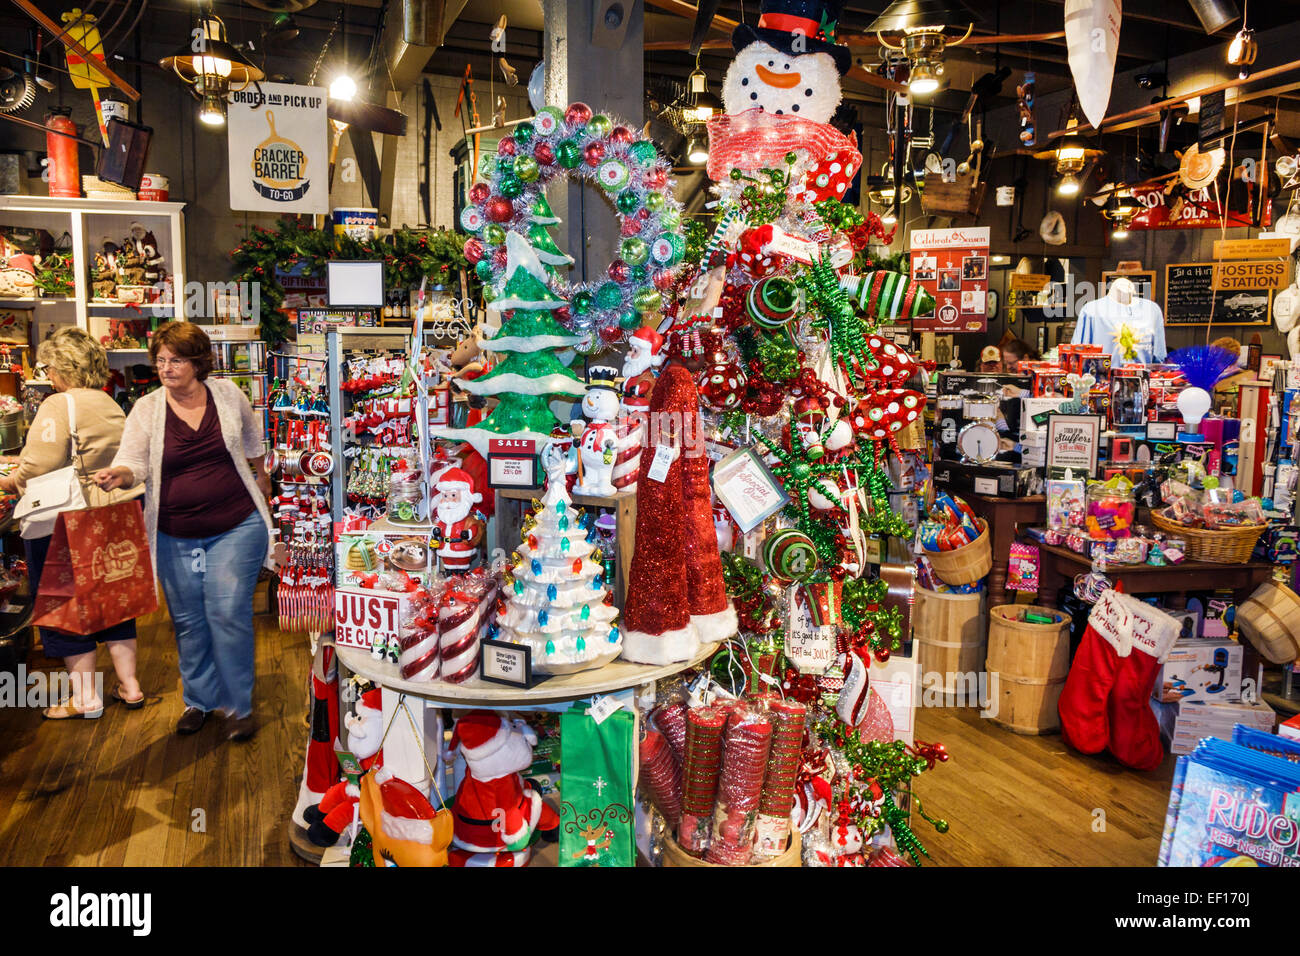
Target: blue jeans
pixel 209 586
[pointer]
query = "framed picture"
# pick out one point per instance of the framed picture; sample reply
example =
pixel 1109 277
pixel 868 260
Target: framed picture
pixel 1162 431
pixel 949 280
pixel 975 268
pixel 1072 445
pixel 504 663
pixel 748 489
pixel 1144 279
pixel 1267 361
pixel 513 463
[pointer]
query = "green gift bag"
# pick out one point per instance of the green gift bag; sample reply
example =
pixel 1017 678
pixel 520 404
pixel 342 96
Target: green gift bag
pixel 597 823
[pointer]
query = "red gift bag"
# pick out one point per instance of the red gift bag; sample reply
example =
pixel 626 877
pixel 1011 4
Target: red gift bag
pixel 97 572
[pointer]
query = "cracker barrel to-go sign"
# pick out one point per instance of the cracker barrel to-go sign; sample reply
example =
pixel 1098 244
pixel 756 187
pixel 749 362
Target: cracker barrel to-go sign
pixel 279 166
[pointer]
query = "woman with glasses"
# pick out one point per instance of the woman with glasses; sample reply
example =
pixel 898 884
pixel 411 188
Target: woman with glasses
pixel 197 444
pixel 77 367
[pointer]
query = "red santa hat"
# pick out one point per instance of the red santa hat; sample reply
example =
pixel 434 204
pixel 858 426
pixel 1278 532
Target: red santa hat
pixel 480 734
pixel 406 814
pixel 647 338
pixel 453 478
pixel 372 699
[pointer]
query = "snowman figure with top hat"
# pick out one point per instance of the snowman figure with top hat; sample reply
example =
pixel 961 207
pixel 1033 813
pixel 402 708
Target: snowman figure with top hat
pixel 789 64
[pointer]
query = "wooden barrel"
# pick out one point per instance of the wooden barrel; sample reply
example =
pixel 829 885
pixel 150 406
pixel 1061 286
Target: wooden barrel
pixel 674 855
pixel 967 564
pixel 1270 620
pixel 1027 665
pixel 951 633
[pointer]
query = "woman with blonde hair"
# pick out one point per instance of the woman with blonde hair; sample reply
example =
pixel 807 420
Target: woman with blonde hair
pixel 82 427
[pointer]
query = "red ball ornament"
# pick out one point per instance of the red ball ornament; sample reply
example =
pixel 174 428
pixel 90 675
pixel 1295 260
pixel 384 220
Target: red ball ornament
pixel 663 280
pixel 630 227
pixel 479 192
pixel 643 213
pixel 619 270
pixel 499 257
pixel 594 153
pixel 721 386
pixel 564 313
pixel 881 654
pixel 474 249
pixel 656 178
pixel 577 114
pixel 621 134
pixel 543 153
pixel 611 335
pixel 499 209
pixel 506 147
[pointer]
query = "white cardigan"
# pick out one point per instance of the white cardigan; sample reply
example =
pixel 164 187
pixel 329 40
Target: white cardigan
pixel 141 450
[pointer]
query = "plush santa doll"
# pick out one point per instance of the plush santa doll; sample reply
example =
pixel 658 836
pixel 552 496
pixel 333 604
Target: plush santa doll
pixel 404 828
pixel 496 812
pixel 334 813
pixel 598 445
pixel 456 532
pixel 640 367
pixel 675 598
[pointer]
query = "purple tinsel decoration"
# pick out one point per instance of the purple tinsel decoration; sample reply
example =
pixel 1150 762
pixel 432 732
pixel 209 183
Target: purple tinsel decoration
pixel 1202 365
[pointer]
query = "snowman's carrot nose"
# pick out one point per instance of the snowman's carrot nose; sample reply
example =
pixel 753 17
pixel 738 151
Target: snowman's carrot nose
pixel 781 81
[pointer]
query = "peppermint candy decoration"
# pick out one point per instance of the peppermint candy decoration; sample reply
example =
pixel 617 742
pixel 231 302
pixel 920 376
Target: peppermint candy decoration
pixel 613 174
pixel 472 219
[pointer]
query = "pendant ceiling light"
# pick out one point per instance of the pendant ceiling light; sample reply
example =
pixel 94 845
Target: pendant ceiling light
pixel 922 26
pixel 1071 155
pixel 211 68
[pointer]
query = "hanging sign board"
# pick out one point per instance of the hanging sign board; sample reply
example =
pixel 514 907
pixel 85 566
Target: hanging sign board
pixel 1198 211
pixel 1251 248
pixel 1190 298
pixel 363 618
pixel 279 149
pixel 953 266
pixel 1209 122
pixel 1236 276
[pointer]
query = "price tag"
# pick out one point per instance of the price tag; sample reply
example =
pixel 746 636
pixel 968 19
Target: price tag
pixel 602 707
pixel 753 544
pixel 665 455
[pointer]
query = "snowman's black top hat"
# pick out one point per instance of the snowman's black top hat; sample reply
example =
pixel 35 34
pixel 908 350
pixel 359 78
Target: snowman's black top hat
pixel 781 21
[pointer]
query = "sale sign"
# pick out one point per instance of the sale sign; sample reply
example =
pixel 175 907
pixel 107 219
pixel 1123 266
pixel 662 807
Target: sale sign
pixel 363 618
pixel 953 266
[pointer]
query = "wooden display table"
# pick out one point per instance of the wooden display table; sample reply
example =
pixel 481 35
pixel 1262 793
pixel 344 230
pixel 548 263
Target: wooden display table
pixel 1059 566
pixel 1003 515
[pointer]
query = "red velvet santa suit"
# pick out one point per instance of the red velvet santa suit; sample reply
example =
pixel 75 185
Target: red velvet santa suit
pixel 675 599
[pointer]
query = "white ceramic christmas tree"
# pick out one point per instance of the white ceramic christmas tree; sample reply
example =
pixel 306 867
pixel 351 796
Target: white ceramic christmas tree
pixel 556 598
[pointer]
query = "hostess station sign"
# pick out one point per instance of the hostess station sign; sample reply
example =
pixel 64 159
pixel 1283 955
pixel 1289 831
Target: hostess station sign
pixel 279 150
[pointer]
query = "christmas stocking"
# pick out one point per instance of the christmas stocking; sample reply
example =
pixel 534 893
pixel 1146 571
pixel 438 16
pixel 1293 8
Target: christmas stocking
pixel 321 769
pixel 1106 640
pixel 1134 732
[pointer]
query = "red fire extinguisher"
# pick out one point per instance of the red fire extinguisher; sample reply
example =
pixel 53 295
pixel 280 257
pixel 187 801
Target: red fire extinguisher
pixel 65 170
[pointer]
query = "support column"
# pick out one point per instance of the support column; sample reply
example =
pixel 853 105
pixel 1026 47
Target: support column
pixel 594 53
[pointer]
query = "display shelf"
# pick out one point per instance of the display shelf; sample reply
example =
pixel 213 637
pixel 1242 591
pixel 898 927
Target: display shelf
pixel 617 675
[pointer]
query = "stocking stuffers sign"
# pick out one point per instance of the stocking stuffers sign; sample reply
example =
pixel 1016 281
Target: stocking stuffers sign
pixel 279 154
pixel 953 266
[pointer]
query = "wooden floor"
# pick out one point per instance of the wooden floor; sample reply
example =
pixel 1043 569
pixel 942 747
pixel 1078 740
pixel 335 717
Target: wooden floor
pixel 124 789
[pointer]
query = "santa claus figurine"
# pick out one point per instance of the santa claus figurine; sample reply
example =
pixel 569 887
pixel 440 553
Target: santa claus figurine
pixel 334 813
pixel 598 445
pixel 456 532
pixel 496 812
pixel 640 368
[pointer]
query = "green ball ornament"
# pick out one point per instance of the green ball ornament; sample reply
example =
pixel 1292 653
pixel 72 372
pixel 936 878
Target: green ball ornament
pixel 627 202
pixel 654 201
pixel 749 193
pixel 643 153
pixel 599 125
pixel 494 234
pixel 527 169
pixel 487 165
pixel 568 154
pixel 670 218
pixel 582 302
pixel 484 270
pixel 488 292
pixel 648 299
pixel 608 296
pixel 630 320
pixel 791 159
pixel 639 273
pixel 634 250
pixel 510 186
pixel 524 133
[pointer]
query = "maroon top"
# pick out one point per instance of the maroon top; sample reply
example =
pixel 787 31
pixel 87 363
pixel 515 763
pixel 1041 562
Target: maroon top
pixel 202 492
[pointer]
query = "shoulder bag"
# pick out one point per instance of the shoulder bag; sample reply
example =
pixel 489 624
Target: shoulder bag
pixel 48 495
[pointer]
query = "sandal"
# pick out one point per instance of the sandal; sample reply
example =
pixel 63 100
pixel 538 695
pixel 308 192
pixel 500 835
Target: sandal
pixel 135 704
pixel 66 710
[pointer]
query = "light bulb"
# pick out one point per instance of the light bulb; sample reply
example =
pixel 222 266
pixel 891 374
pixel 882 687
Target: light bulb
pixel 923 85
pixel 212 112
pixel 1193 403
pixel 214 66
pixel 1068 186
pixel 1119 233
pixel 343 87
pixel 697 153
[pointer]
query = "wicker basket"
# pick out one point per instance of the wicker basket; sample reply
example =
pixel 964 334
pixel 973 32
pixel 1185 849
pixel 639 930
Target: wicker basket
pixel 1219 546
pixel 674 855
pixel 1270 620
pixel 967 564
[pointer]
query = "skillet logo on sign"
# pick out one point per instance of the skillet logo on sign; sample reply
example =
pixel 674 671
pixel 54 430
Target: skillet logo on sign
pixel 279 167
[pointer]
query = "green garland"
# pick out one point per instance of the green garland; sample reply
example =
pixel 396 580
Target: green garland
pixel 408 256
pixel 54 275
